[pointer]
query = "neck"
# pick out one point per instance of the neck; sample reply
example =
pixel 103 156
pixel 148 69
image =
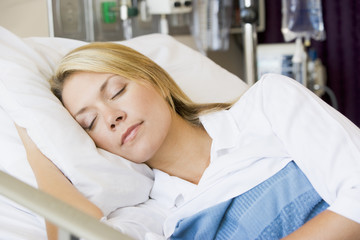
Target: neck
pixel 185 152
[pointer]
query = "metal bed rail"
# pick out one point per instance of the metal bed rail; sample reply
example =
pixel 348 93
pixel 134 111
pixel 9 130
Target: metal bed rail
pixel 72 223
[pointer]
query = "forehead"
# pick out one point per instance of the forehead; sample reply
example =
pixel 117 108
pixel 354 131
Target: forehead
pixel 81 87
pixel 86 78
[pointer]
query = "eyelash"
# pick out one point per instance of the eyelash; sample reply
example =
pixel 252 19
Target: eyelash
pixel 89 128
pixel 118 93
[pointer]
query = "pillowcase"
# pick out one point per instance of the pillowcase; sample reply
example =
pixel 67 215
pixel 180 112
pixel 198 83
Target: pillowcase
pixel 109 181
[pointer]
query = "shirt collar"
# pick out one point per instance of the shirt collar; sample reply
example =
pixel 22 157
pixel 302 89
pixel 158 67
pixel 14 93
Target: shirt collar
pixel 176 189
pixel 222 128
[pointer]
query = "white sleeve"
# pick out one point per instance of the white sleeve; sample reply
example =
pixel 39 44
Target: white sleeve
pixel 324 143
pixel 142 222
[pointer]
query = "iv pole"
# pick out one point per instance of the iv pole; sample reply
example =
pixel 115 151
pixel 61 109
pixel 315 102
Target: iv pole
pixel 249 17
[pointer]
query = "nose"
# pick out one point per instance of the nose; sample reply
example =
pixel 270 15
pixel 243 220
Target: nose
pixel 115 118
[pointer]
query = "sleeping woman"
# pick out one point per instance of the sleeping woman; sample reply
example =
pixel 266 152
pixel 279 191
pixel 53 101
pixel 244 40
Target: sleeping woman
pixel 276 163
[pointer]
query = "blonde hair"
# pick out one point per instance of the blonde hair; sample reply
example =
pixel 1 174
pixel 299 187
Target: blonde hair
pixel 124 61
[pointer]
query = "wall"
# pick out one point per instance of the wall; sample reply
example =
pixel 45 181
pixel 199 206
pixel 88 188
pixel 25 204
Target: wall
pixel 25 17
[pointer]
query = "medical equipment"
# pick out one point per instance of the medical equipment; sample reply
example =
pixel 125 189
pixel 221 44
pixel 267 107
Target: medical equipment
pixel 302 19
pixel 214 21
pixel 277 58
pixel 71 19
pixel 211 24
pixel 249 15
pixel 316 78
pixel 114 20
pixel 168 7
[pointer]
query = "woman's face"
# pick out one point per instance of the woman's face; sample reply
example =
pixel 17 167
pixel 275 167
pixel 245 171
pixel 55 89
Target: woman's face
pixel 129 119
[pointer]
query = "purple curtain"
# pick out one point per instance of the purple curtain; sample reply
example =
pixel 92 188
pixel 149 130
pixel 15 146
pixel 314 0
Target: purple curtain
pixel 340 52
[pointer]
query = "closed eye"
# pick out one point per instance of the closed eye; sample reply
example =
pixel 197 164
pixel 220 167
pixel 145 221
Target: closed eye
pixel 91 125
pixel 118 93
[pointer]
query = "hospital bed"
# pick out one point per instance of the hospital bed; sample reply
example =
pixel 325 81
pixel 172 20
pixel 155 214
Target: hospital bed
pixel 107 180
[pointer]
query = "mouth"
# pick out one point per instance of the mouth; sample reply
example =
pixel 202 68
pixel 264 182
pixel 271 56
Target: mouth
pixel 130 133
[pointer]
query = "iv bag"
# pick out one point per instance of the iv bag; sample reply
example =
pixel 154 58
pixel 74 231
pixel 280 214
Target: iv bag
pixel 211 24
pixel 302 19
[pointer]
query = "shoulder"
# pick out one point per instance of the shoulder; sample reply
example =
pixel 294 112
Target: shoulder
pixel 272 93
pixel 271 86
pixel 267 83
pixel 280 84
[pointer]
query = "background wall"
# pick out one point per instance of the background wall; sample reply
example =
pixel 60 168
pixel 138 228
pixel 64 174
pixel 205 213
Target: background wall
pixel 25 17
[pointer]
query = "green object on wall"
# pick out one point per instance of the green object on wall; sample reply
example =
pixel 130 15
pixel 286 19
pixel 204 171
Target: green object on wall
pixel 108 13
pixel 133 11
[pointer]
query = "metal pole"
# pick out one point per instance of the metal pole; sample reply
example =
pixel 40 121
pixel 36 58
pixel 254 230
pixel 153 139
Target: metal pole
pixel 250 40
pixel 59 213
pixel 249 16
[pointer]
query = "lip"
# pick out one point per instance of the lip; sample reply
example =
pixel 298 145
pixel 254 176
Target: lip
pixel 130 133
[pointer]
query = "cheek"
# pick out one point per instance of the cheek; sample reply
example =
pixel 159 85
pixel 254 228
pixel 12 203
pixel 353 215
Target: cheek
pixel 156 129
pixel 102 140
pixel 161 125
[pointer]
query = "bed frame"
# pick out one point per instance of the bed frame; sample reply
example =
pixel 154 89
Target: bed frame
pixel 72 223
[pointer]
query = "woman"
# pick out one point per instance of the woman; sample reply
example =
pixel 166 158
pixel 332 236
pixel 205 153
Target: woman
pixel 212 153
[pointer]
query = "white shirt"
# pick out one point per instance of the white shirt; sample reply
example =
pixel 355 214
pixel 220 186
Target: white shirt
pixel 275 121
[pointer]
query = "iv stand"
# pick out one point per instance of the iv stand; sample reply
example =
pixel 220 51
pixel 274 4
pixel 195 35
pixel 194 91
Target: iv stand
pixel 249 17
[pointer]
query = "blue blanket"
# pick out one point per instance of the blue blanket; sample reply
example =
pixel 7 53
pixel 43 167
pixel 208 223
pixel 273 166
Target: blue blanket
pixel 271 210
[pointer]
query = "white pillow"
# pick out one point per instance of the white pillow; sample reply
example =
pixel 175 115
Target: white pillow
pixel 107 180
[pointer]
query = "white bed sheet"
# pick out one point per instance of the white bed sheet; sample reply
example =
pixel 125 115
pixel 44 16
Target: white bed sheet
pixel 16 222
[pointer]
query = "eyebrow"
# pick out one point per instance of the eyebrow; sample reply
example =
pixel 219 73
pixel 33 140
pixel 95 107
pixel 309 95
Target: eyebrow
pixel 102 89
